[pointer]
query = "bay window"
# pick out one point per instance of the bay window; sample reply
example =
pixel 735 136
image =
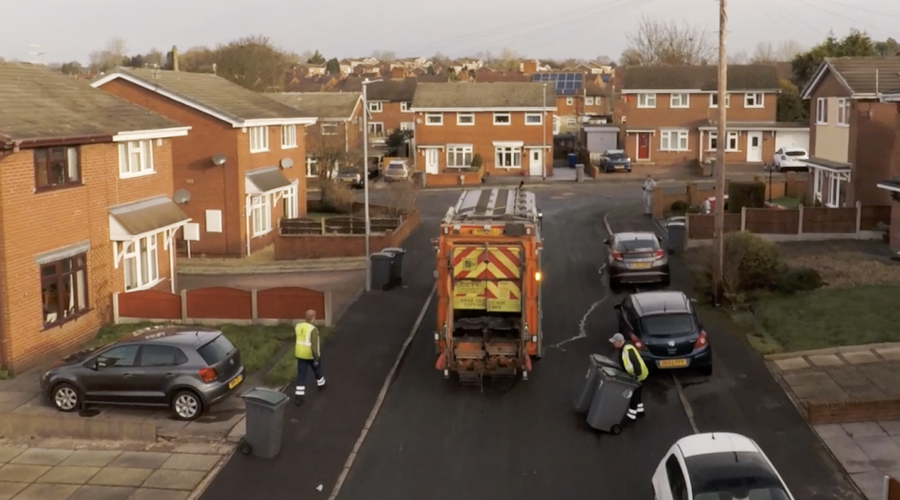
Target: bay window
pixel 673 140
pixel 459 156
pixel 507 157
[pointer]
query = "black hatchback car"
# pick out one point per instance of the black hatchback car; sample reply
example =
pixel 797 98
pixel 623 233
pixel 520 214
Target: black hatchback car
pixel 666 330
pixel 184 368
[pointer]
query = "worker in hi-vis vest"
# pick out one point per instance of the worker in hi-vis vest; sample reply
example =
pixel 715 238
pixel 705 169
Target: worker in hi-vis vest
pixel 633 364
pixel 308 355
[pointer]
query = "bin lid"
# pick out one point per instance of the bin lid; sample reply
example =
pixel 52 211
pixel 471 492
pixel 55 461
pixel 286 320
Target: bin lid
pixel 394 250
pixel 601 359
pixel 381 255
pixel 267 397
pixel 675 224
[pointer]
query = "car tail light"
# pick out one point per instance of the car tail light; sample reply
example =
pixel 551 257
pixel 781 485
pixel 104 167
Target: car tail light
pixel 659 254
pixel 701 340
pixel 207 375
pixel 637 342
pixel 617 255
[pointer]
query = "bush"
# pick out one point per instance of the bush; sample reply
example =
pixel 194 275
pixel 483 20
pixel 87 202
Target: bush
pixel 679 207
pixel 745 194
pixel 801 279
pixel 749 263
pixel 336 197
pixel 476 160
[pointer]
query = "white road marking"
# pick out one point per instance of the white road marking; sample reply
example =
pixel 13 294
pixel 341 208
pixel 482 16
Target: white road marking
pixel 685 404
pixel 384 389
pixel 582 331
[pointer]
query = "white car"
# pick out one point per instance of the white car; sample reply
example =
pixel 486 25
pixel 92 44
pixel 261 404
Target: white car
pixel 790 159
pixel 717 466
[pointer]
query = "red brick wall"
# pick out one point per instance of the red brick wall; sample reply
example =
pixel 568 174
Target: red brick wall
pixel 873 128
pixel 895 226
pixel 33 223
pixel 841 412
pixel 452 179
pixel 391 116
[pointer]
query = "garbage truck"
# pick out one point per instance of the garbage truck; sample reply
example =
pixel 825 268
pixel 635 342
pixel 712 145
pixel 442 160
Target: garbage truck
pixel 488 285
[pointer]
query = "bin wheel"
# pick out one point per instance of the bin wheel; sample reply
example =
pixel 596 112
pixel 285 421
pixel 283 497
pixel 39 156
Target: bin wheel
pixel 399 281
pixel 246 449
pixel 615 429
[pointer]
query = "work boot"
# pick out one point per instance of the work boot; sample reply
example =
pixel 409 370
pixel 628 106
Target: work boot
pixel 298 400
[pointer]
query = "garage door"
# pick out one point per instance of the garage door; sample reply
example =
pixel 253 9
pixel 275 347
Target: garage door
pixel 599 142
pixel 792 139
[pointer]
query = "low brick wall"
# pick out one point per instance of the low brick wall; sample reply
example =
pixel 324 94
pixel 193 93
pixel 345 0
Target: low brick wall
pixel 453 179
pixel 842 412
pixel 293 247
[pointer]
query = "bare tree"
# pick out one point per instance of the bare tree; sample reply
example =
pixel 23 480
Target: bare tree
pixel 666 43
pixel 253 63
pixel 788 50
pixel 767 52
pixel 111 56
pixel 328 153
pixel 738 57
pixel 508 60
pixel 385 55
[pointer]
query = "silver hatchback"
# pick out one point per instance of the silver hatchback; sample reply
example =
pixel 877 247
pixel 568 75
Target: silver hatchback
pixel 636 258
pixel 396 171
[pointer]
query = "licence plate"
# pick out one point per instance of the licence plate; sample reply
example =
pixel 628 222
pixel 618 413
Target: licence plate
pixel 672 363
pixel 235 381
pixel 639 265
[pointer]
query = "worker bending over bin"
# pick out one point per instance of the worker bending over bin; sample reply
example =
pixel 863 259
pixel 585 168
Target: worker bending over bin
pixel 633 364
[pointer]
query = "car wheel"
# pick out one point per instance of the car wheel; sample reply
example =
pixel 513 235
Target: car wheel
pixel 66 398
pixel 186 405
pixel 706 370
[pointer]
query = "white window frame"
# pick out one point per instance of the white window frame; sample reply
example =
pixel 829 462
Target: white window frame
pixel 713 98
pixel 514 153
pixel 259 139
pixel 503 124
pixel 733 137
pixel 135 159
pixel 376 129
pixel 406 107
pixel 407 126
pixel 821 111
pixel 260 215
pixel 646 100
pixel 460 119
pixel 588 101
pixel 139 254
pixel 311 167
pixel 430 116
pixel 290 201
pixel 684 101
pixel 463 153
pixel 570 101
pixel 288 136
pixel 680 137
pixel 556 125
pixel 331 126
pixel 540 119
pixel 843 118
pixel 571 122
pixel 375 106
pixel 754 100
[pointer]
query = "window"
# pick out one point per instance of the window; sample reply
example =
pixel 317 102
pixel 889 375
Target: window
pixel 588 101
pixel 311 170
pixel 679 101
pixel 570 122
pixel 135 158
pixel 289 136
pixel 714 100
pixel 434 118
pixel 502 119
pixel 508 158
pixel 821 111
pixel 217 350
pixel 141 264
pixel 830 188
pixel 375 107
pixel 64 289
pixel 162 355
pixel 465 118
pixel 290 203
pixel 677 482
pixel 459 156
pixel 731 145
pixel 406 107
pixel 119 357
pixel 533 119
pixel 673 140
pixel 376 129
pixel 843 111
pixel 328 128
pixel 556 124
pixel 56 167
pixel 261 214
pixel 569 101
pixel 259 139
pixel 754 100
pixel 407 126
pixel 646 100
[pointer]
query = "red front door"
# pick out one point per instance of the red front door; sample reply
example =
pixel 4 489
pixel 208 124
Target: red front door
pixel 643 149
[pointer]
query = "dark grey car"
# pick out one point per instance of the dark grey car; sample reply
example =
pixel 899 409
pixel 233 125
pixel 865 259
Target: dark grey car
pixel 184 368
pixel 636 257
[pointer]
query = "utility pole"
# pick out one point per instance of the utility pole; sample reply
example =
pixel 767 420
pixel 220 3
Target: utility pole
pixel 365 174
pixel 721 141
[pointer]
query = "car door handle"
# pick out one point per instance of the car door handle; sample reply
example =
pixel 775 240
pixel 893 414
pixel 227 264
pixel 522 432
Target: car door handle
pixel 170 375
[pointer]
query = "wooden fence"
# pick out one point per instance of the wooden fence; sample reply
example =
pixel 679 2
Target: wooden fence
pixel 342 224
pixel 216 305
pixel 693 193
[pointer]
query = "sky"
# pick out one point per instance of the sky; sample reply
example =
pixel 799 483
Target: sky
pixel 48 31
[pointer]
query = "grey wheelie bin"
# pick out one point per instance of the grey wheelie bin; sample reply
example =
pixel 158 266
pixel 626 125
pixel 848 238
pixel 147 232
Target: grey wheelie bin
pixel 397 265
pixel 381 263
pixel 611 400
pixel 264 421
pixel 586 386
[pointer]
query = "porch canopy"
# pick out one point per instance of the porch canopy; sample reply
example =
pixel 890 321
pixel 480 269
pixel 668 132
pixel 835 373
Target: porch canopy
pixel 133 221
pixel 266 180
pixel 892 185
pixel 835 167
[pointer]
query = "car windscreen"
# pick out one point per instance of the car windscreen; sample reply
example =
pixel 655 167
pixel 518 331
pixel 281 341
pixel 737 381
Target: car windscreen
pixel 795 152
pixel 398 168
pixel 617 156
pixel 668 325
pixel 348 171
pixel 733 475
pixel 217 350
pixel 637 245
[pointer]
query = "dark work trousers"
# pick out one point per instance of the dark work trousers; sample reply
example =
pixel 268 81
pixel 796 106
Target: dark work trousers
pixel 636 406
pixel 302 366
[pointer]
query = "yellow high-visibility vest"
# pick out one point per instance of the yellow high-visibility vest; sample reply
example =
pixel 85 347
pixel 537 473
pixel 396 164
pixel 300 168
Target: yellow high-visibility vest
pixel 303 349
pixel 629 366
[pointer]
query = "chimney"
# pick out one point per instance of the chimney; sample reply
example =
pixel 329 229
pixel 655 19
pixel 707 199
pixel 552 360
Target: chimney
pixel 529 67
pixel 174 58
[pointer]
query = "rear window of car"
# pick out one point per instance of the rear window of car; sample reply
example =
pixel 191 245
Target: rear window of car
pixel 217 350
pixel 795 153
pixel 637 245
pixel 733 475
pixel 668 325
pixel 395 167
pixel 617 156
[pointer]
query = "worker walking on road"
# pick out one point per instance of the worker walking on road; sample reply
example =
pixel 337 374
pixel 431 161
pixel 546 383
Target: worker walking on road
pixel 648 187
pixel 634 365
pixel 308 355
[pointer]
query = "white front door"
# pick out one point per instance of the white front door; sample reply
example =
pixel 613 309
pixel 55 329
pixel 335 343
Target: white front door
pixel 754 146
pixel 432 156
pixel 536 162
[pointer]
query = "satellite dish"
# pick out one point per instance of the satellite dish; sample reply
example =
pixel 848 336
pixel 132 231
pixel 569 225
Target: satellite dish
pixel 181 196
pixel 287 163
pixel 218 160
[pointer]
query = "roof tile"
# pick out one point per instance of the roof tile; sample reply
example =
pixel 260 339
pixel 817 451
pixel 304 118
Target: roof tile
pixel 740 77
pixel 867 75
pixel 322 105
pixel 479 95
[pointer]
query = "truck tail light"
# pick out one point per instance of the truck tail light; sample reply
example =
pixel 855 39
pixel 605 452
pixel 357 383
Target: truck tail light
pixel 637 342
pixel 701 340
pixel 207 375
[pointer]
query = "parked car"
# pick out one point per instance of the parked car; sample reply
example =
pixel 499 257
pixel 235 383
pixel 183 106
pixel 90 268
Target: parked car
pixel 615 159
pixel 396 171
pixel 636 257
pixel 666 330
pixel 184 368
pixel 717 465
pixel 791 159
pixel 352 176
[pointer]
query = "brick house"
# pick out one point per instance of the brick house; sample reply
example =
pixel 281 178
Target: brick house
pixel 852 131
pixel 891 182
pixel 504 123
pixel 669 114
pixel 244 162
pixel 389 106
pixel 86 210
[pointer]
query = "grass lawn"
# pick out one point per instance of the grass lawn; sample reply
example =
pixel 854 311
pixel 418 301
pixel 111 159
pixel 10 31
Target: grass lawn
pixel 832 317
pixel 285 369
pixel 787 202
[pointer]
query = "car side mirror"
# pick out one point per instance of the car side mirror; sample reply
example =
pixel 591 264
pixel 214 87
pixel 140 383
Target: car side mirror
pixel 94 365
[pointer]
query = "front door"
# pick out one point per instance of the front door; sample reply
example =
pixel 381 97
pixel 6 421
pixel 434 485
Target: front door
pixel 754 146
pixel 643 146
pixel 431 161
pixel 535 164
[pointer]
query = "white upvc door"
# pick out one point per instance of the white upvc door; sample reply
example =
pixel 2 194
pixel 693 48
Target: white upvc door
pixel 536 162
pixel 432 155
pixel 754 146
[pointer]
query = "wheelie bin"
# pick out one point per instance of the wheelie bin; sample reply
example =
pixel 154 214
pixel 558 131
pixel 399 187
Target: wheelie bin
pixel 396 265
pixel 586 385
pixel 611 400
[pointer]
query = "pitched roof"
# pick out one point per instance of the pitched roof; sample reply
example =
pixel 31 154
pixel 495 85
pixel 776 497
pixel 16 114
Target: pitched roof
pixel 209 93
pixel 392 90
pixel 502 76
pixel 862 76
pixel 322 105
pixel 500 95
pixel 349 84
pixel 704 78
pixel 40 103
pixel 592 89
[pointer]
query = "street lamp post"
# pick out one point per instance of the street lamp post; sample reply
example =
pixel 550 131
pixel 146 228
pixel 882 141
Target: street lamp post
pixel 365 174
pixel 544 137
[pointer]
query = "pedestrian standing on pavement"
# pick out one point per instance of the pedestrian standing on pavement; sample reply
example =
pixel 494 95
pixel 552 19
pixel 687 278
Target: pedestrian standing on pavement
pixel 633 364
pixel 308 354
pixel 648 187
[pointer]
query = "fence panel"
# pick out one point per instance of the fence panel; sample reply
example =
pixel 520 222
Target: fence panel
pixel 150 304
pixel 702 226
pixel 893 489
pixel 219 303
pixel 771 221
pixel 873 214
pixel 289 303
pixel 829 220
pixel 338 225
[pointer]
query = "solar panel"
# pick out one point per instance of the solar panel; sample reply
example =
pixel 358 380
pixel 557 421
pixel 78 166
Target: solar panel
pixel 563 83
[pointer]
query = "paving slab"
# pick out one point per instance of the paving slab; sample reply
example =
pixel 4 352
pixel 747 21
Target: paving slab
pixel 22 473
pixel 830 430
pixel 198 448
pixel 187 461
pixel 849 454
pixel 91 492
pixel 807 378
pixel 140 459
pixel 47 492
pixel 890 353
pixel 884 453
pixel 891 427
pixel 791 364
pixel 42 456
pixel 9 489
pixel 69 475
pixel 91 458
pixel 120 476
pixel 8 453
pixel 819 391
pixel 864 429
pixel 174 479
pixel 860 357
pixel 825 360
pixel 154 494
pixel 871 483
pixel 15 398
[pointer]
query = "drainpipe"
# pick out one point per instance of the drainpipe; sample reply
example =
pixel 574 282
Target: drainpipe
pixel 249 211
pixel 171 238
